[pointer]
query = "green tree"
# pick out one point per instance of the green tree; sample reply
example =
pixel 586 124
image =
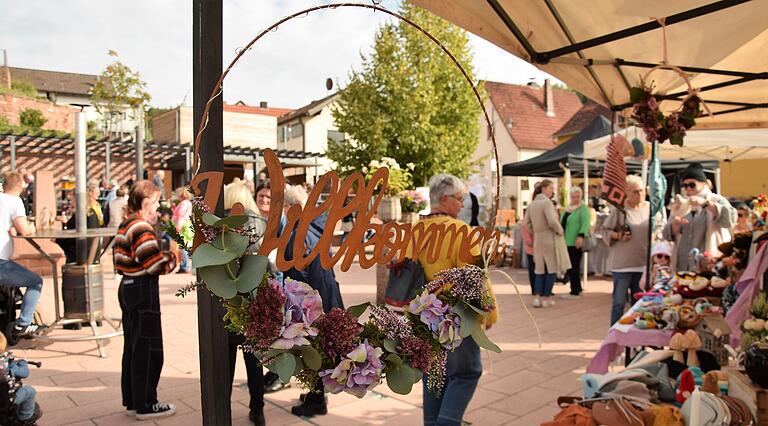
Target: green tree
pixel 32 118
pixel 410 102
pixel 118 90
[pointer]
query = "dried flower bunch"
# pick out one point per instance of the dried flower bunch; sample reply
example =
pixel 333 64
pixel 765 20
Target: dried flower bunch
pixel 656 126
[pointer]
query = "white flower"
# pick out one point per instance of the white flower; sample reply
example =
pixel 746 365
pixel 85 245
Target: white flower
pixel 365 169
pixel 410 166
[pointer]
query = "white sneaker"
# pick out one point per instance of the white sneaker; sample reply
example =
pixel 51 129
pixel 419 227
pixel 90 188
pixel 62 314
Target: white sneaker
pixel 130 413
pixel 536 302
pixel 156 411
pixel 569 296
pixel 548 302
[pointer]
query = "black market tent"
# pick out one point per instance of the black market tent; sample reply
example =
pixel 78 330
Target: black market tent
pixel 551 162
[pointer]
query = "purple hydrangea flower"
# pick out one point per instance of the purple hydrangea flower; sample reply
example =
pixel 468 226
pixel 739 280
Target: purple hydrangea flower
pixel 429 308
pixel 447 331
pixel 303 306
pixel 356 374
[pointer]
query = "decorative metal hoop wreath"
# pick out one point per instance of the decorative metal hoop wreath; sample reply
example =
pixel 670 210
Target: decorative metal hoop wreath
pixel 219 87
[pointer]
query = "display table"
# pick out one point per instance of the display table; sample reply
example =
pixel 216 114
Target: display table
pixel 621 336
pixel 91 308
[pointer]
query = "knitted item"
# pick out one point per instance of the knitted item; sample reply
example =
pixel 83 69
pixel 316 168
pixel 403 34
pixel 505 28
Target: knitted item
pixel 687 385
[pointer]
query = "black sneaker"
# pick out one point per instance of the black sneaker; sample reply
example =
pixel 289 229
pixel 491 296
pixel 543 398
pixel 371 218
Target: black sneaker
pixel 28 330
pixel 310 409
pixel 303 397
pixel 272 383
pixel 257 417
pixel 156 411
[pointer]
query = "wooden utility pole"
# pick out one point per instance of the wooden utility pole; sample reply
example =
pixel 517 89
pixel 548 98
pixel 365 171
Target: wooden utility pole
pixel 207 68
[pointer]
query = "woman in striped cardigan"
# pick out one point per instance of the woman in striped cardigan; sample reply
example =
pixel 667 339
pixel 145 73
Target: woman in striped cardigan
pixel 141 259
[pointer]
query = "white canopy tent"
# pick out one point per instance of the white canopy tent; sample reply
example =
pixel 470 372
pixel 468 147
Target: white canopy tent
pixel 602 47
pixel 722 145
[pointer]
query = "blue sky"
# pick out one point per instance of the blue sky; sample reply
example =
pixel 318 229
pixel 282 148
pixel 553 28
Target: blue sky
pixel 288 68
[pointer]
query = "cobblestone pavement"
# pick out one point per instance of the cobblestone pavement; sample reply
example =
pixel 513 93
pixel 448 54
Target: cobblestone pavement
pixel 518 387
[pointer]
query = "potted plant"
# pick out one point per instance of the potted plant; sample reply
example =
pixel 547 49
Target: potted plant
pixel 411 203
pixel 399 180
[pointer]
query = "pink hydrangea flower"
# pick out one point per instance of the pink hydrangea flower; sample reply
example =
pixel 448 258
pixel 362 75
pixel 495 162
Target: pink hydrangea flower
pixel 356 374
pixel 429 308
pixel 448 331
pixel 303 306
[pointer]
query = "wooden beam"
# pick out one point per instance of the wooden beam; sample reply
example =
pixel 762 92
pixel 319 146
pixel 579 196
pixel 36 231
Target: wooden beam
pixel 213 342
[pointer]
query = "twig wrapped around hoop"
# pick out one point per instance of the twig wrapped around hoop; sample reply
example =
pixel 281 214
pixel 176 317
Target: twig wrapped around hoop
pixel 219 87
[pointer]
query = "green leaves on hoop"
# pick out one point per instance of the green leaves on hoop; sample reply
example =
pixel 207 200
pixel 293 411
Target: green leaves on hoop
pixel 400 376
pixel 223 263
pixel 473 324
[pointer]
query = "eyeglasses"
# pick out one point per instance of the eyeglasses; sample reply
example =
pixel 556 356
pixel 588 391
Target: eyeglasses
pixel 689 185
pixel 661 256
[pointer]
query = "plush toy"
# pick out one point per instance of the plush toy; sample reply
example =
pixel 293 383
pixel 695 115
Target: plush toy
pixel 647 321
pixel 710 383
pixel 630 318
pixel 686 387
pixel 670 317
pixel 673 299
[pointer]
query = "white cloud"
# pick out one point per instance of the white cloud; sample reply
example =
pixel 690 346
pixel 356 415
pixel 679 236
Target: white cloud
pixel 287 68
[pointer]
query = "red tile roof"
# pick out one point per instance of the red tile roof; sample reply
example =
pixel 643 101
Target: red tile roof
pixel 247 109
pixel 524 116
pixel 583 117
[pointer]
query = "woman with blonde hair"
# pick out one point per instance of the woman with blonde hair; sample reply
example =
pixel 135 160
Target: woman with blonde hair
pixel 238 192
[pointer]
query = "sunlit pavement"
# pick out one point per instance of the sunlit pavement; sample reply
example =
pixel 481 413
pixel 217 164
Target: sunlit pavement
pixel 518 387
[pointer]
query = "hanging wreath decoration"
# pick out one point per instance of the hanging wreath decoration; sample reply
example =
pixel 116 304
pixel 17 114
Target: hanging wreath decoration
pixel 283 323
pixel 657 126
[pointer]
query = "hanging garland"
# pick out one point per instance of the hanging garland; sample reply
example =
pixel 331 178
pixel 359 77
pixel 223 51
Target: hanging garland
pixel 657 126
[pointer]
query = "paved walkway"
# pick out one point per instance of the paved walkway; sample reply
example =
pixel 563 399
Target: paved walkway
pixel 519 386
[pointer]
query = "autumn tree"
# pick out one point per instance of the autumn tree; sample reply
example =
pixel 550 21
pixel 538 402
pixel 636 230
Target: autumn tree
pixel 410 102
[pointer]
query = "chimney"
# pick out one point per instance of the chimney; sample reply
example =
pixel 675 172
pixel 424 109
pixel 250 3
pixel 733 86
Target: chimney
pixel 263 104
pixel 549 100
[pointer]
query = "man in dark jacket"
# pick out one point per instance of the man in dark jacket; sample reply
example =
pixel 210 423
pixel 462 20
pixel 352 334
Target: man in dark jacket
pixel 320 279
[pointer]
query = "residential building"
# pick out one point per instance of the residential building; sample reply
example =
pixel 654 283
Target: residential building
pixel 308 129
pixel 66 88
pixel 524 120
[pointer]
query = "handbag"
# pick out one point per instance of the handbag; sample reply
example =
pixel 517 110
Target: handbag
pixel 406 279
pixel 589 243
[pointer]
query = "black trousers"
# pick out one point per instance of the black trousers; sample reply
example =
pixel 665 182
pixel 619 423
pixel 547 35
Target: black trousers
pixel 252 368
pixel 531 272
pixel 575 272
pixel 139 299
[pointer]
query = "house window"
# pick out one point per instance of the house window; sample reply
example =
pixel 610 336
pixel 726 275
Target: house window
pixel 336 136
pixel 296 130
pixel 282 134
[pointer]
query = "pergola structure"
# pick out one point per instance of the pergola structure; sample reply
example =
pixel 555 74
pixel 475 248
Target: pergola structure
pixel 156 155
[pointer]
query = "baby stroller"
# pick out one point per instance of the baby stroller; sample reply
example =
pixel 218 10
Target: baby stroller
pixel 10 302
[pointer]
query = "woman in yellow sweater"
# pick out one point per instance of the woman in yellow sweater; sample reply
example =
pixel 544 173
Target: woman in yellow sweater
pixel 464 368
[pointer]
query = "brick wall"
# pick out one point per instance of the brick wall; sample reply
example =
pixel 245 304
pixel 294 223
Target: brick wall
pixel 60 117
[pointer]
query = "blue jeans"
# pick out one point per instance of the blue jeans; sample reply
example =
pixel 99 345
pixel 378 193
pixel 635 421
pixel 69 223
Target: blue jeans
pixel 14 275
pixel 623 281
pixel 184 261
pixel 462 372
pixel 543 284
pixel 25 402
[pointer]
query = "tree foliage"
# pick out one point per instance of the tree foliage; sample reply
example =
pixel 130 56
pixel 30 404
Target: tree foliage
pixel 410 102
pixel 118 89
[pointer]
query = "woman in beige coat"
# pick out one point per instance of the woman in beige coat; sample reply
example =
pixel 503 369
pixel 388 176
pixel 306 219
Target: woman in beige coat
pixel 550 254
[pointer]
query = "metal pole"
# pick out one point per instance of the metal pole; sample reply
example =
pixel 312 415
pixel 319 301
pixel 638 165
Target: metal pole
pixel 187 165
pixel 139 148
pixel 81 248
pixel 108 159
pixel 13 153
pixel 718 189
pixel 207 48
pixel 585 263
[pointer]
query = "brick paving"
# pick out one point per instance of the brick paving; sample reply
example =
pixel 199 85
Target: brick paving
pixel 518 387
